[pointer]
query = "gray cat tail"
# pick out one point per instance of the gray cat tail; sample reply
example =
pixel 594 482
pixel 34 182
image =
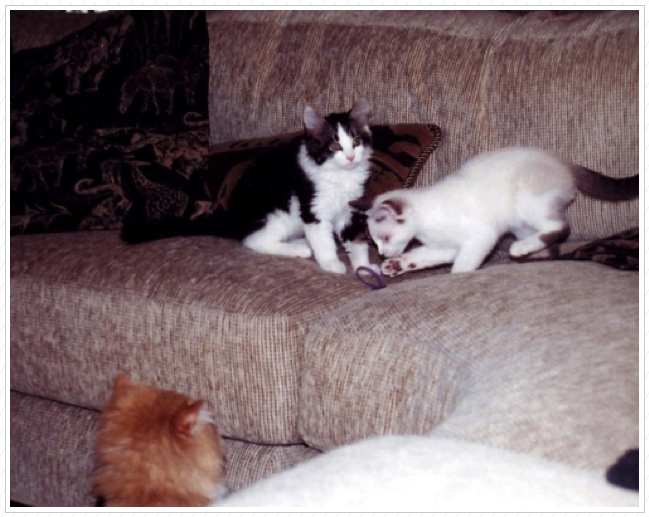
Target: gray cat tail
pixel 599 186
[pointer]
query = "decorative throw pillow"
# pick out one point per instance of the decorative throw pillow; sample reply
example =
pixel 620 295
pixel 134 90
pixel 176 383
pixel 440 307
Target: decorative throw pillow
pixel 105 114
pixel 619 251
pixel 400 151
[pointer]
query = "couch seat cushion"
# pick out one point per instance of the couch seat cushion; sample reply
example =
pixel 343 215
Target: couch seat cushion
pixel 200 315
pixel 540 358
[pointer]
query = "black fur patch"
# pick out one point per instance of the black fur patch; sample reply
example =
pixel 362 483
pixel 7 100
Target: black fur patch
pixel 318 148
pixel 268 185
pixel 361 205
pixel 626 471
pixel 356 229
pixel 554 237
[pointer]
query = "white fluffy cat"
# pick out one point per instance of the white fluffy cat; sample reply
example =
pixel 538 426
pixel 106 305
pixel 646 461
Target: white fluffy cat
pixel 422 473
pixel 459 220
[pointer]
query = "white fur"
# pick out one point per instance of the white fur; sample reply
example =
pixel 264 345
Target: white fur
pixel 205 417
pixel 280 235
pixel 219 492
pixel 214 491
pixel 420 473
pixel 459 219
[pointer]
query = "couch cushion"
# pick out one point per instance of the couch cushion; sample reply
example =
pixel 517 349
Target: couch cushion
pixel 539 358
pixel 565 82
pixel 200 315
pixel 51 452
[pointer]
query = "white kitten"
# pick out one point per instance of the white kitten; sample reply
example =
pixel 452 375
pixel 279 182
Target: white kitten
pixel 459 220
pixel 418 473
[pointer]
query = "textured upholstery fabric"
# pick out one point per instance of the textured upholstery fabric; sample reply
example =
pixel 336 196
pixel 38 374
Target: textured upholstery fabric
pixel 250 462
pixel 512 356
pixel 203 316
pixel 50 452
pixel 568 83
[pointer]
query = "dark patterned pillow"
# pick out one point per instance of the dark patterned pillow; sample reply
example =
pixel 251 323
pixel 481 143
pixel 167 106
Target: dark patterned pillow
pixel 619 251
pixel 400 151
pixel 105 115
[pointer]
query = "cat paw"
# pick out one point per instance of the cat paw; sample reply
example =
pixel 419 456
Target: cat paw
pixel 392 267
pixel 301 250
pixel 300 240
pixel 520 249
pixel 334 266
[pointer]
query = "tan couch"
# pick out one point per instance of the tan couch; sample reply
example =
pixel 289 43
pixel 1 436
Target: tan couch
pixel 540 358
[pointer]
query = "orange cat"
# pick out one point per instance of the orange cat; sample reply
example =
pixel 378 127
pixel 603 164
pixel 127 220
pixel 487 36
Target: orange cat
pixel 156 448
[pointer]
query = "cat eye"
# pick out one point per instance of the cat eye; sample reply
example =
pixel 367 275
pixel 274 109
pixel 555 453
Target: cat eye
pixel 357 141
pixel 335 146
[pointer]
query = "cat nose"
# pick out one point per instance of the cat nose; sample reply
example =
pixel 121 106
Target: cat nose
pixel 350 158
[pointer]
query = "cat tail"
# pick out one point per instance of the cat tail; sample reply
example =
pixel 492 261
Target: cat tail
pixel 599 186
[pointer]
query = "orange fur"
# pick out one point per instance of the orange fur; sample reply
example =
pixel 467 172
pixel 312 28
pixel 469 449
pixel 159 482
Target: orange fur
pixel 154 449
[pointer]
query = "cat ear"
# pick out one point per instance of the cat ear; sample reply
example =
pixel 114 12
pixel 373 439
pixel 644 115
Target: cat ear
pixel 361 113
pixel 389 209
pixel 361 205
pixel 186 417
pixel 313 122
pixel 121 382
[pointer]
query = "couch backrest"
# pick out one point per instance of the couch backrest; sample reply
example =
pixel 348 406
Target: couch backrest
pixel 566 82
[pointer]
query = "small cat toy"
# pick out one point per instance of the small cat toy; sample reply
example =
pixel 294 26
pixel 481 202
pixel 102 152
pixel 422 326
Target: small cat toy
pixel 376 281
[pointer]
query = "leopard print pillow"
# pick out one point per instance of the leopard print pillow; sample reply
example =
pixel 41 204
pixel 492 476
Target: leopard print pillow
pixel 620 251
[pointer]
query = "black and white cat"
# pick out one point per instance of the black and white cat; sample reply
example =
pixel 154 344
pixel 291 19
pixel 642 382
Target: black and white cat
pixel 459 220
pixel 304 189
pixel 294 200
